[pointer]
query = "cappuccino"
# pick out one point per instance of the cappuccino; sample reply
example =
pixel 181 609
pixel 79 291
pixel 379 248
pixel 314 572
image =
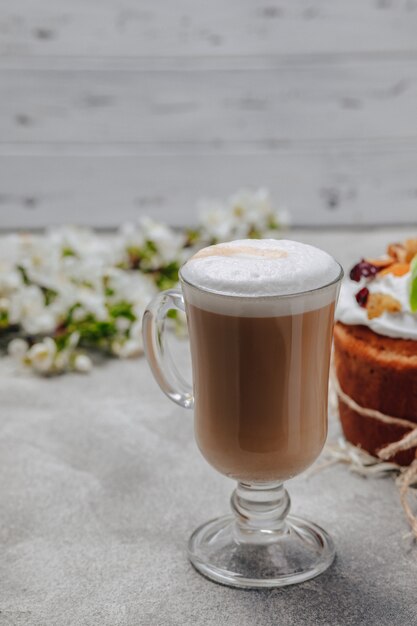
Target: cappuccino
pixel 260 317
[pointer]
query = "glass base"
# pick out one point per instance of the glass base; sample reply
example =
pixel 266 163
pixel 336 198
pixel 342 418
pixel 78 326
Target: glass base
pixel 299 551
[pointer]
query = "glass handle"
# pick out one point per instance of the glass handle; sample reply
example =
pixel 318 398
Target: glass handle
pixel 156 349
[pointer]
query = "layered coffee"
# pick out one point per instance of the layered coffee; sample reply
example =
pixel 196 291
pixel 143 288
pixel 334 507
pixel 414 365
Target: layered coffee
pixel 260 320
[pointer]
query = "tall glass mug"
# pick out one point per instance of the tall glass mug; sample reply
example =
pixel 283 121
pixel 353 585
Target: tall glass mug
pixel 260 381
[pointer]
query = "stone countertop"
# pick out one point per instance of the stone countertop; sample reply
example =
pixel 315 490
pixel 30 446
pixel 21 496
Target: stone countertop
pixel 101 484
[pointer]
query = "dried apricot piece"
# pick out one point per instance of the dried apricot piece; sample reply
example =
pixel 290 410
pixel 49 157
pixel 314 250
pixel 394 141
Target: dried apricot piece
pixel 381 263
pixel 410 249
pixel 397 269
pixel 397 251
pixel 377 303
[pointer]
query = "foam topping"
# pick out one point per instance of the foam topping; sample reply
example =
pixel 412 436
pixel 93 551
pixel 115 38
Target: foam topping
pixel 260 267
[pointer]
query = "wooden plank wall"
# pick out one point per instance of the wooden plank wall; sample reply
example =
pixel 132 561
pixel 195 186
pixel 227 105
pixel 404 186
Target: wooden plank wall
pixel 114 108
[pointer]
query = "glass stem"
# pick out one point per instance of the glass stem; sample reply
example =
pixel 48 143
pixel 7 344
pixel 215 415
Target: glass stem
pixel 260 511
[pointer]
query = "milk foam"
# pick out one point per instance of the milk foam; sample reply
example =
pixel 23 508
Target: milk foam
pixel 253 270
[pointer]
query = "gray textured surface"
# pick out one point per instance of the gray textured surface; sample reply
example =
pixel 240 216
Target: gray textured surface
pixel 101 484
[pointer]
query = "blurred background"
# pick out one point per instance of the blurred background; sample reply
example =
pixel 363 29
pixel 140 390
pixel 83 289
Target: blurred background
pixel 111 109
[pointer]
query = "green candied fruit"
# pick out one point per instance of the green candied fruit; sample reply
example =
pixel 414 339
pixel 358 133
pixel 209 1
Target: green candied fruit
pixel 413 286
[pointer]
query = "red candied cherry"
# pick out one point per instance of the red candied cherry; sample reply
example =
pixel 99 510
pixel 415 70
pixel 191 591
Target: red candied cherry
pixel 362 296
pixel 363 268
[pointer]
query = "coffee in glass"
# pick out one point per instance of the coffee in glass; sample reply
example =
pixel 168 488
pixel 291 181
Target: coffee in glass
pixel 260 318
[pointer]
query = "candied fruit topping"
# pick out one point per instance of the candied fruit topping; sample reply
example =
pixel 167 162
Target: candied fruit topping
pixel 363 269
pixel 397 269
pixel 398 252
pixel 382 262
pixel 379 302
pixel 362 297
pixel 410 249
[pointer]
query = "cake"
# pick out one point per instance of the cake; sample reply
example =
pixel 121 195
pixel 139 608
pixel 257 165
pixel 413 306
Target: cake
pixel 375 354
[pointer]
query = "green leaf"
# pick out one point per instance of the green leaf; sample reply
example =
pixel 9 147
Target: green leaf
pixel 193 235
pixel 273 223
pixel 49 295
pixel 24 275
pixel 413 286
pixel 67 251
pixel 122 309
pixel 150 247
pixel 68 319
pixel 254 233
pixel 168 276
pixel 93 332
pixel 139 258
pixel 61 340
pixel 4 319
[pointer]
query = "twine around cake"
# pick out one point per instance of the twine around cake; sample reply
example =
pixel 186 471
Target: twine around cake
pixel 408 475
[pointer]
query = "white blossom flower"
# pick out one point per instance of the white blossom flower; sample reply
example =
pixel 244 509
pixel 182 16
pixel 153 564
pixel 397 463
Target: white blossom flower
pixel 4 304
pixel 27 308
pixel 40 324
pixel 10 279
pixel 139 307
pixel 79 313
pixel 251 206
pixel 93 303
pixel 128 285
pixel 127 349
pixel 27 302
pixel 122 324
pixel 246 213
pixel 116 347
pixel 130 236
pixel 217 223
pixel 17 348
pixel 253 212
pixel 75 242
pixel 41 355
pixel 83 363
pixel 10 250
pixel 167 241
pixel 135 331
pixel 62 360
pixel 73 339
pixel 70 279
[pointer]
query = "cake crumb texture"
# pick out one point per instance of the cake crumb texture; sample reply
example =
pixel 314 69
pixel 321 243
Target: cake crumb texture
pixel 378 373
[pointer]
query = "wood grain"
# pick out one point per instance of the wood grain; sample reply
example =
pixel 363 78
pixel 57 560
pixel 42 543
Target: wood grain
pixel 304 102
pixel 327 188
pixel 189 28
pixel 112 108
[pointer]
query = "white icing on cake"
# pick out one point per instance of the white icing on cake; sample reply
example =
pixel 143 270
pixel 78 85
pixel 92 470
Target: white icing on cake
pixel 401 325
